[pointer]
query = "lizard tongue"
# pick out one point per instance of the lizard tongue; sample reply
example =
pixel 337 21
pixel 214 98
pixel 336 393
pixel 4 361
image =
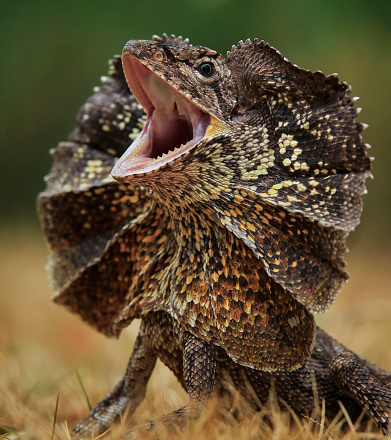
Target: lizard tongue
pixel 174 125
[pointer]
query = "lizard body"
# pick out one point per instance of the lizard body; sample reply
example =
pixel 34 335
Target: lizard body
pixel 224 229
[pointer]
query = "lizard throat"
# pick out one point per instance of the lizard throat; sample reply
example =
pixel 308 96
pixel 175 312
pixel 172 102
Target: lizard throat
pixel 174 124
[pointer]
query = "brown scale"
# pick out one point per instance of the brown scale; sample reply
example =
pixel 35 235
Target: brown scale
pixel 224 251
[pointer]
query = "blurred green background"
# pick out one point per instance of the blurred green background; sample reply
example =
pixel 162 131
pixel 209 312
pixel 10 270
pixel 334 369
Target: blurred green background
pixel 53 53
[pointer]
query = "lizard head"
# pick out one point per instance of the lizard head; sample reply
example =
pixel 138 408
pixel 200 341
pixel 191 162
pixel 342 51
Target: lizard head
pixel 178 86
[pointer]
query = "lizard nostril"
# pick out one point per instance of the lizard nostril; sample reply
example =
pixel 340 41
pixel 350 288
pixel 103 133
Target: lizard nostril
pixel 158 56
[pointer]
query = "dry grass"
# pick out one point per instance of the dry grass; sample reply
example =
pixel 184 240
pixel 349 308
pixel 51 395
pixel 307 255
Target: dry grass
pixel 42 346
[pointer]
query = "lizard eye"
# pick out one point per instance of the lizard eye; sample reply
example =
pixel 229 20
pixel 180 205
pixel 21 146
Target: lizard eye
pixel 207 69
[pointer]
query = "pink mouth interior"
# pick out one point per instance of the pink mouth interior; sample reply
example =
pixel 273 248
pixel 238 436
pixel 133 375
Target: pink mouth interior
pixel 174 124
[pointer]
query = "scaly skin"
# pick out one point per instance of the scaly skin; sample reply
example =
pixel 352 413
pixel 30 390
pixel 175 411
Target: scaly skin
pixel 226 246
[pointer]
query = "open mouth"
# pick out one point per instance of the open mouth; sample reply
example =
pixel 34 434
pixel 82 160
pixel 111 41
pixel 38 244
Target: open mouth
pixel 174 124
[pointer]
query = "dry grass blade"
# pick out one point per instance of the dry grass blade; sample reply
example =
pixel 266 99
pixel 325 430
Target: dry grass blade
pixel 55 417
pixel 8 431
pixel 348 419
pixel 84 390
pixel 66 431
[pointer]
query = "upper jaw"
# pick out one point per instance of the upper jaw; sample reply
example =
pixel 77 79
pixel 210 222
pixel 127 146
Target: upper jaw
pixel 174 124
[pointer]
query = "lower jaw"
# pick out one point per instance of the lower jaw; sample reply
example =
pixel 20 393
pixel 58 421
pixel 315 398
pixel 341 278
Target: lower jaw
pixel 131 165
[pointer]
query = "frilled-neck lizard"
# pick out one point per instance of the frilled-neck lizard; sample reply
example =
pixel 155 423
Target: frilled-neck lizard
pixel 222 226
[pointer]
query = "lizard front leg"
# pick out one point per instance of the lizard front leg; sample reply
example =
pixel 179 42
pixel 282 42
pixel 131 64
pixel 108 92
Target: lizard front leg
pixel 199 367
pixel 200 363
pixel 363 385
pixel 127 395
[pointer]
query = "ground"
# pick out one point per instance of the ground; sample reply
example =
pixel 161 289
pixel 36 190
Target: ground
pixel 46 353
